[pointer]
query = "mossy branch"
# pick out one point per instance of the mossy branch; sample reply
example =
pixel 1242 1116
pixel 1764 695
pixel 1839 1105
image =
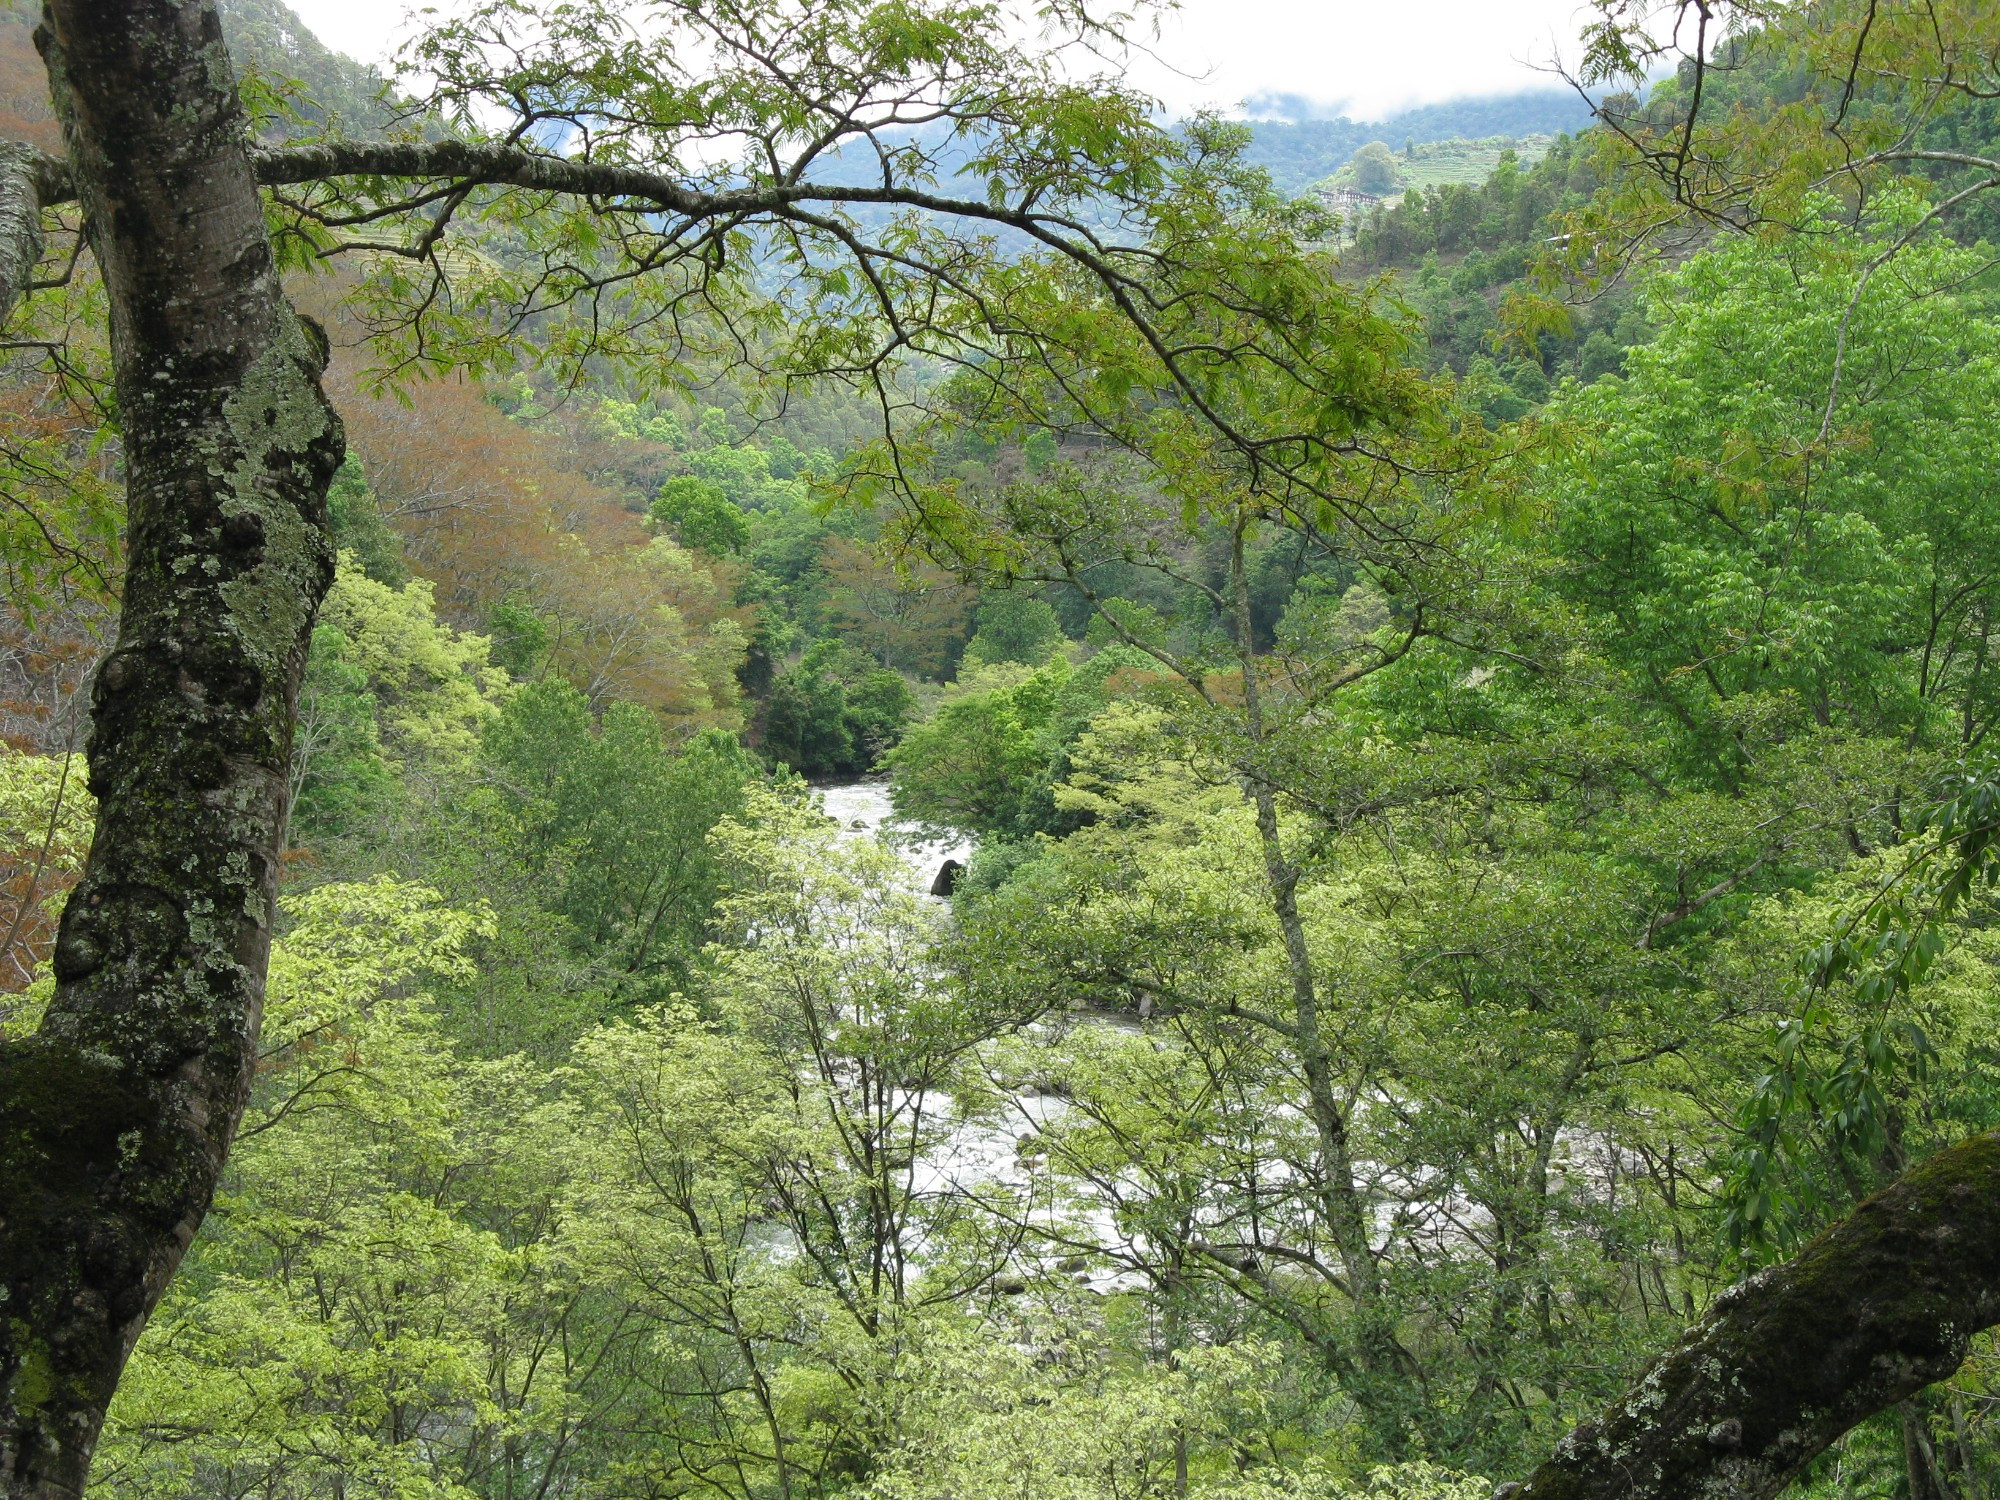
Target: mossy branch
pixel 1876 1308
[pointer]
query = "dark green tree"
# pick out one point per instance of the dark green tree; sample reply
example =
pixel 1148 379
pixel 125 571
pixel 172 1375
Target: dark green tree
pixel 1376 169
pixel 1013 625
pixel 701 516
pixel 835 711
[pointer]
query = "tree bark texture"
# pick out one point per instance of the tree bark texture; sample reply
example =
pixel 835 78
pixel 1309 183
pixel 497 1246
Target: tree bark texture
pixel 20 219
pixel 116 1115
pixel 1876 1308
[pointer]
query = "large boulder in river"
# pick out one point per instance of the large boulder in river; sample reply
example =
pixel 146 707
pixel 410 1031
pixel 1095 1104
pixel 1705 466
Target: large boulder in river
pixel 947 878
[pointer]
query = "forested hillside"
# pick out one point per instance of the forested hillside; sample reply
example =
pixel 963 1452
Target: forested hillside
pixel 1466 964
pixel 1469 256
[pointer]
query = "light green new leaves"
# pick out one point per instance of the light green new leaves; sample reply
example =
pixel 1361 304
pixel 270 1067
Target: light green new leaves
pixel 342 1323
pixel 46 818
pixel 989 1421
pixel 393 705
pixel 437 688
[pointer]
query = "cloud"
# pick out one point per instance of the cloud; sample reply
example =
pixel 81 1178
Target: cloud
pixel 1295 59
pixel 1317 59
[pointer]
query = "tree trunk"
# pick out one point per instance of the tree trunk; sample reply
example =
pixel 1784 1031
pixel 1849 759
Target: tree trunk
pixel 1968 1453
pixel 1921 1469
pixel 1374 1377
pixel 1872 1311
pixel 115 1117
pixel 1340 1198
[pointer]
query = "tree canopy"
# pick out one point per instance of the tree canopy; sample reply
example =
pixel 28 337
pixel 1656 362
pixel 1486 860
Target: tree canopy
pixel 1405 895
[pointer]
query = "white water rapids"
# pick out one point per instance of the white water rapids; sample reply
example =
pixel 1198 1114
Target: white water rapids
pixel 863 808
pixel 980 1151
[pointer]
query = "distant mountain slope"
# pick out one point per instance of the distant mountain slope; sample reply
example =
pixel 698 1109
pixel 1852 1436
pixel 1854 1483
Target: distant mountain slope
pixel 25 114
pixel 1298 153
pixel 268 37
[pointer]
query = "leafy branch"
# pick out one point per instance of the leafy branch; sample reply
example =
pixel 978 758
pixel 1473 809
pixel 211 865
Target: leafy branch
pixel 1882 952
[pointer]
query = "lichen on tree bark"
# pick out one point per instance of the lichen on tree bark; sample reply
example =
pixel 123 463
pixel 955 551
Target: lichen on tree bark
pixel 1876 1308
pixel 116 1115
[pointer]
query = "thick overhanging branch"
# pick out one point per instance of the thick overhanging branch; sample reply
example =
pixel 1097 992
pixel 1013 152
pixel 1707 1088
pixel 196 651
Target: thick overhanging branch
pixel 415 174
pixel 21 172
pixel 1881 1305
pixel 510 166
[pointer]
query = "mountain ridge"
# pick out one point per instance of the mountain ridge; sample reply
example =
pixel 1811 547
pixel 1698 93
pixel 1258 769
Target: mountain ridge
pixel 1299 152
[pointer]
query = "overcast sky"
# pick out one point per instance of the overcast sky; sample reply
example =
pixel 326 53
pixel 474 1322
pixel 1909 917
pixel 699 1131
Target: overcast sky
pixel 1363 58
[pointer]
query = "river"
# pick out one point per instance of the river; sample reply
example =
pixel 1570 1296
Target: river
pixel 996 1149
pixel 863 807
pixel 976 1153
